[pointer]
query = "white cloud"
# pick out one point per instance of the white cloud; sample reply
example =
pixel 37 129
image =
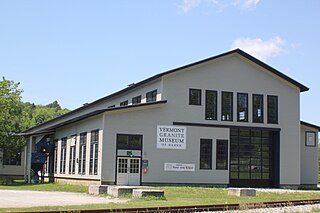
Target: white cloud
pixel 220 5
pixel 187 5
pixel 248 4
pixel 259 48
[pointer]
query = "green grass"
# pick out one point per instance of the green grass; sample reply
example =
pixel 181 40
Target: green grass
pixel 20 185
pixel 176 196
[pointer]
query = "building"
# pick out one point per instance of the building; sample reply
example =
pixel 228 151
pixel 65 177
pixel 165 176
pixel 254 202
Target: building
pixel 228 120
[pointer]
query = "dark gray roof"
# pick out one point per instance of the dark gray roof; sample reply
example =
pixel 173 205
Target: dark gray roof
pixel 133 86
pixel 310 125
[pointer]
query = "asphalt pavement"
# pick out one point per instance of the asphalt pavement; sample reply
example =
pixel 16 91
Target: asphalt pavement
pixel 24 198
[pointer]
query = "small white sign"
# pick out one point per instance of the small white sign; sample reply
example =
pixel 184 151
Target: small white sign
pixel 171 137
pixel 179 167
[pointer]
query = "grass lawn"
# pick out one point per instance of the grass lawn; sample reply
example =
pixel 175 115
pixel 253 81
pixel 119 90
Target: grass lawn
pixel 20 185
pixel 173 196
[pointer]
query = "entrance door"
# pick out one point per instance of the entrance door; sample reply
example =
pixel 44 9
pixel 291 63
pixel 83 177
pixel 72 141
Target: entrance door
pixel 253 161
pixel 128 172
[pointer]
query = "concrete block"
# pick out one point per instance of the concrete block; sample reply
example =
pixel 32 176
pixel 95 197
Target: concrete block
pixel 242 192
pixel 120 190
pixel 98 189
pixel 147 192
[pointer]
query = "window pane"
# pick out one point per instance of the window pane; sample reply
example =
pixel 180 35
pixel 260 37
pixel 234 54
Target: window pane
pixel 272 109
pixel 227 106
pixel 136 100
pixel 257 108
pixel 151 96
pixel 222 155
pixel 194 96
pixel 242 109
pixel 129 142
pixel 211 105
pixel 205 153
pixel 124 103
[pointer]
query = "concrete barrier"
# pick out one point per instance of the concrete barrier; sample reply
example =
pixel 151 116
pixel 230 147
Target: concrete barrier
pixel 98 189
pixel 147 192
pixel 117 191
pixel 242 192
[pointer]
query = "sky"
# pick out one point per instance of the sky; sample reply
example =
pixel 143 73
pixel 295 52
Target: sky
pixel 76 51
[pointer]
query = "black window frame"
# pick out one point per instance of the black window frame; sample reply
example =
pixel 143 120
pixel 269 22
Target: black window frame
pixel 195 98
pixel 124 103
pixel 55 170
pixel 211 106
pixel 136 100
pixel 94 150
pixel 272 113
pixel 72 155
pixel 222 146
pixel 111 106
pixel 205 154
pixel 224 111
pixel 11 158
pixel 63 155
pixel 129 146
pixel 82 158
pixel 151 96
pixel 255 117
pixel 241 108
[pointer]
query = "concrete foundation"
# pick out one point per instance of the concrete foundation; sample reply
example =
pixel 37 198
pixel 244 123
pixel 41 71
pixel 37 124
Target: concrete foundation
pixel 147 192
pixel 242 192
pixel 98 189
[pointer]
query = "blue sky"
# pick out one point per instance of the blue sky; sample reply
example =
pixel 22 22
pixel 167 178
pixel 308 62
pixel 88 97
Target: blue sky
pixel 78 51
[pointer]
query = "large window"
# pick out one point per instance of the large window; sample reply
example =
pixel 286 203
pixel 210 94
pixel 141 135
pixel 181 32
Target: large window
pixel 55 156
pixel 11 158
pixel 93 167
pixel 272 109
pixel 227 106
pixel 82 153
pixel 242 107
pixel 211 105
pixel 63 154
pixel 151 96
pixel 194 96
pixel 205 154
pixel 222 155
pixel 129 142
pixel 124 103
pixel 72 154
pixel 257 108
pixel 136 100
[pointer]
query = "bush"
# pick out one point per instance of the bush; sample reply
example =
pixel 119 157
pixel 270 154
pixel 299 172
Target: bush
pixel 6 181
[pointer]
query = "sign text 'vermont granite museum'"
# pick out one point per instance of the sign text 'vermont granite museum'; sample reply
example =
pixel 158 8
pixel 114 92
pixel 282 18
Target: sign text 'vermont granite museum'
pixel 228 120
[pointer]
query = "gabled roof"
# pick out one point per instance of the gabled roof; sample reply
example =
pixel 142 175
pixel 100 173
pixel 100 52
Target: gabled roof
pixel 158 76
pixel 310 125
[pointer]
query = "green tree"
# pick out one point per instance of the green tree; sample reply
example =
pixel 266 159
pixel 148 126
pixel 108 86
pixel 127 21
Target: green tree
pixel 12 117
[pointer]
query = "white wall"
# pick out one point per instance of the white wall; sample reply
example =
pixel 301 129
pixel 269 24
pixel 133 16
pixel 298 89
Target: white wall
pixel 309 158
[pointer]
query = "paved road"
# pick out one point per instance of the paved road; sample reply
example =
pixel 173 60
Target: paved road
pixel 19 198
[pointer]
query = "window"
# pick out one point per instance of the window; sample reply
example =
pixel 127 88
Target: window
pixel 82 154
pixel 93 168
pixel 11 158
pixel 222 155
pixel 124 103
pixel 257 108
pixel 194 96
pixel 311 139
pixel 151 96
pixel 227 106
pixel 63 156
pixel 205 154
pixel 211 105
pixel 242 107
pixel 136 100
pixel 129 142
pixel 272 109
pixel 112 106
pixel 72 154
pixel 55 156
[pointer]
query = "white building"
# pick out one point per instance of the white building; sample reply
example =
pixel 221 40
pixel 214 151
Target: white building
pixel 226 120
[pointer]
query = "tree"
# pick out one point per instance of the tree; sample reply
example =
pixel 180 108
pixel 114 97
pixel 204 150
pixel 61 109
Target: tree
pixel 12 117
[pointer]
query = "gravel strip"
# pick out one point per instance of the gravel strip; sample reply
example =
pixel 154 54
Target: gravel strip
pixel 304 208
